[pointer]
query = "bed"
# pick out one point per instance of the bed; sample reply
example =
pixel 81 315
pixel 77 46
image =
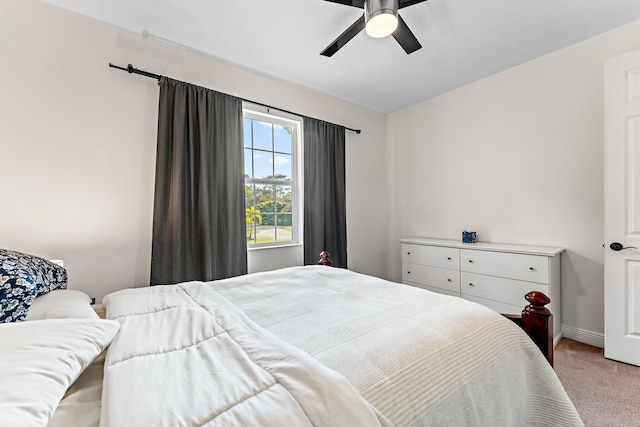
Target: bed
pixel 310 345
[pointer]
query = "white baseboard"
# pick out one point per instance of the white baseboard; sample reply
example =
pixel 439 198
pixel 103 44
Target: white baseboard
pixel 581 335
pixel 557 339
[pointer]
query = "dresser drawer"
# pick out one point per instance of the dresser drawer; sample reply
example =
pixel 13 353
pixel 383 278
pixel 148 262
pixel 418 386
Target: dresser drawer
pixel 532 268
pixel 436 277
pixel 506 291
pixel 500 307
pixel 431 255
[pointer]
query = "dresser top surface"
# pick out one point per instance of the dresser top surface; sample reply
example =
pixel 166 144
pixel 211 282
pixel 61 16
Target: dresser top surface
pixel 485 246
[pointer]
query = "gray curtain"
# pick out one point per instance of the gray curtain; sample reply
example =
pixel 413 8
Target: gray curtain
pixel 199 213
pixel 325 224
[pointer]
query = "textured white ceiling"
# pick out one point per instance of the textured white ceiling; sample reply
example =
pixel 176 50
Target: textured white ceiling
pixel 463 40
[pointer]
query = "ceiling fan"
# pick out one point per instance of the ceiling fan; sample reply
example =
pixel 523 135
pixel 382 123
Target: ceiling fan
pixel 380 19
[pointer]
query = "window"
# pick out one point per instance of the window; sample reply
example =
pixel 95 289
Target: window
pixel 272 188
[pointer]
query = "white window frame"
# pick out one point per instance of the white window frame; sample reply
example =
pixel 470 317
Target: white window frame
pixel 252 111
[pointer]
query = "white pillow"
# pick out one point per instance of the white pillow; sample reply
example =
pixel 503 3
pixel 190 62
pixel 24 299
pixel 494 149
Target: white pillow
pixel 39 360
pixel 62 304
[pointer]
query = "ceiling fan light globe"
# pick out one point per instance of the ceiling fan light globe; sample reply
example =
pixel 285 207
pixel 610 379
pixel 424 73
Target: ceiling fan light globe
pixel 382 25
pixel 381 17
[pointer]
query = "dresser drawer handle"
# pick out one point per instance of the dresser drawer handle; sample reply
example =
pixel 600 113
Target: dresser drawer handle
pixel 408 272
pixel 471 261
pixel 449 280
pixel 471 284
pixel 532 269
pixel 408 253
pixel 449 258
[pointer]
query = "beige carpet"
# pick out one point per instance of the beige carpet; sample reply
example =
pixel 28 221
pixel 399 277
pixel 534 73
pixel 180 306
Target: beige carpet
pixel 605 393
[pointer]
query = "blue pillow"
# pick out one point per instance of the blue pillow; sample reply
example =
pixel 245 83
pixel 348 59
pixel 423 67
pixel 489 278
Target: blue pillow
pixel 45 275
pixel 17 292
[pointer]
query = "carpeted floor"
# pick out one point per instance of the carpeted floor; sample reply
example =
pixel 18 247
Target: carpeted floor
pixel 605 393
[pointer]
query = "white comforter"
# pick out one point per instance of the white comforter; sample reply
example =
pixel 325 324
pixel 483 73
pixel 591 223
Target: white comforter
pixel 185 356
pixel 421 359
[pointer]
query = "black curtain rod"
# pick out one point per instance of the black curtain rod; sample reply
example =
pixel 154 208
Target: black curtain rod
pixel 132 70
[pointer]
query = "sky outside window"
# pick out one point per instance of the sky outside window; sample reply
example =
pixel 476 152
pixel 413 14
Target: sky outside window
pixel 260 139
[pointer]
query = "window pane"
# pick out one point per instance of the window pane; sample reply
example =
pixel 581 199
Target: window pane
pixel 266 232
pixel 282 165
pixel 265 204
pixel 251 229
pixel 248 155
pixel 262 164
pixel 262 135
pixel 249 190
pixel 282 139
pixel 283 233
pixel 283 197
pixel 284 229
pixel 269 219
pixel 264 198
pixel 284 220
pixel 251 217
pixel 246 124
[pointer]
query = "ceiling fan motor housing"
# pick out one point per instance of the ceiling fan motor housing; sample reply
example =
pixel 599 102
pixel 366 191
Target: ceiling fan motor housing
pixel 375 7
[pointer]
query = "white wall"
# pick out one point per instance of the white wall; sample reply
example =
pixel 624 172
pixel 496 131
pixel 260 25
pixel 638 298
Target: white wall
pixel 517 157
pixel 77 144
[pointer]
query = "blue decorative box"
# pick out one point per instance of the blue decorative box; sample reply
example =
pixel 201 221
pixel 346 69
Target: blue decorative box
pixel 468 237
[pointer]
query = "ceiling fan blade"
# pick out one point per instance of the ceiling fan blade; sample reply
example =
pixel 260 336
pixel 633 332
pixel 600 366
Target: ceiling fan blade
pixel 405 3
pixel 354 3
pixel 343 38
pixel 405 37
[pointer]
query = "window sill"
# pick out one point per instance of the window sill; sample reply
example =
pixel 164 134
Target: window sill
pixel 261 248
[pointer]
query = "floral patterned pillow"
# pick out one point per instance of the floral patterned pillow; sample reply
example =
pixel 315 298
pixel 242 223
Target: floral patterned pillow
pixel 17 292
pixel 45 275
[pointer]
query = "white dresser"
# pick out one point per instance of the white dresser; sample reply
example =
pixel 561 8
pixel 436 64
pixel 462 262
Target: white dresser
pixel 492 274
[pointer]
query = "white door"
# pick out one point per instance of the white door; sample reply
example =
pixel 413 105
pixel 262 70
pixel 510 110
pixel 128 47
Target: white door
pixel 622 208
